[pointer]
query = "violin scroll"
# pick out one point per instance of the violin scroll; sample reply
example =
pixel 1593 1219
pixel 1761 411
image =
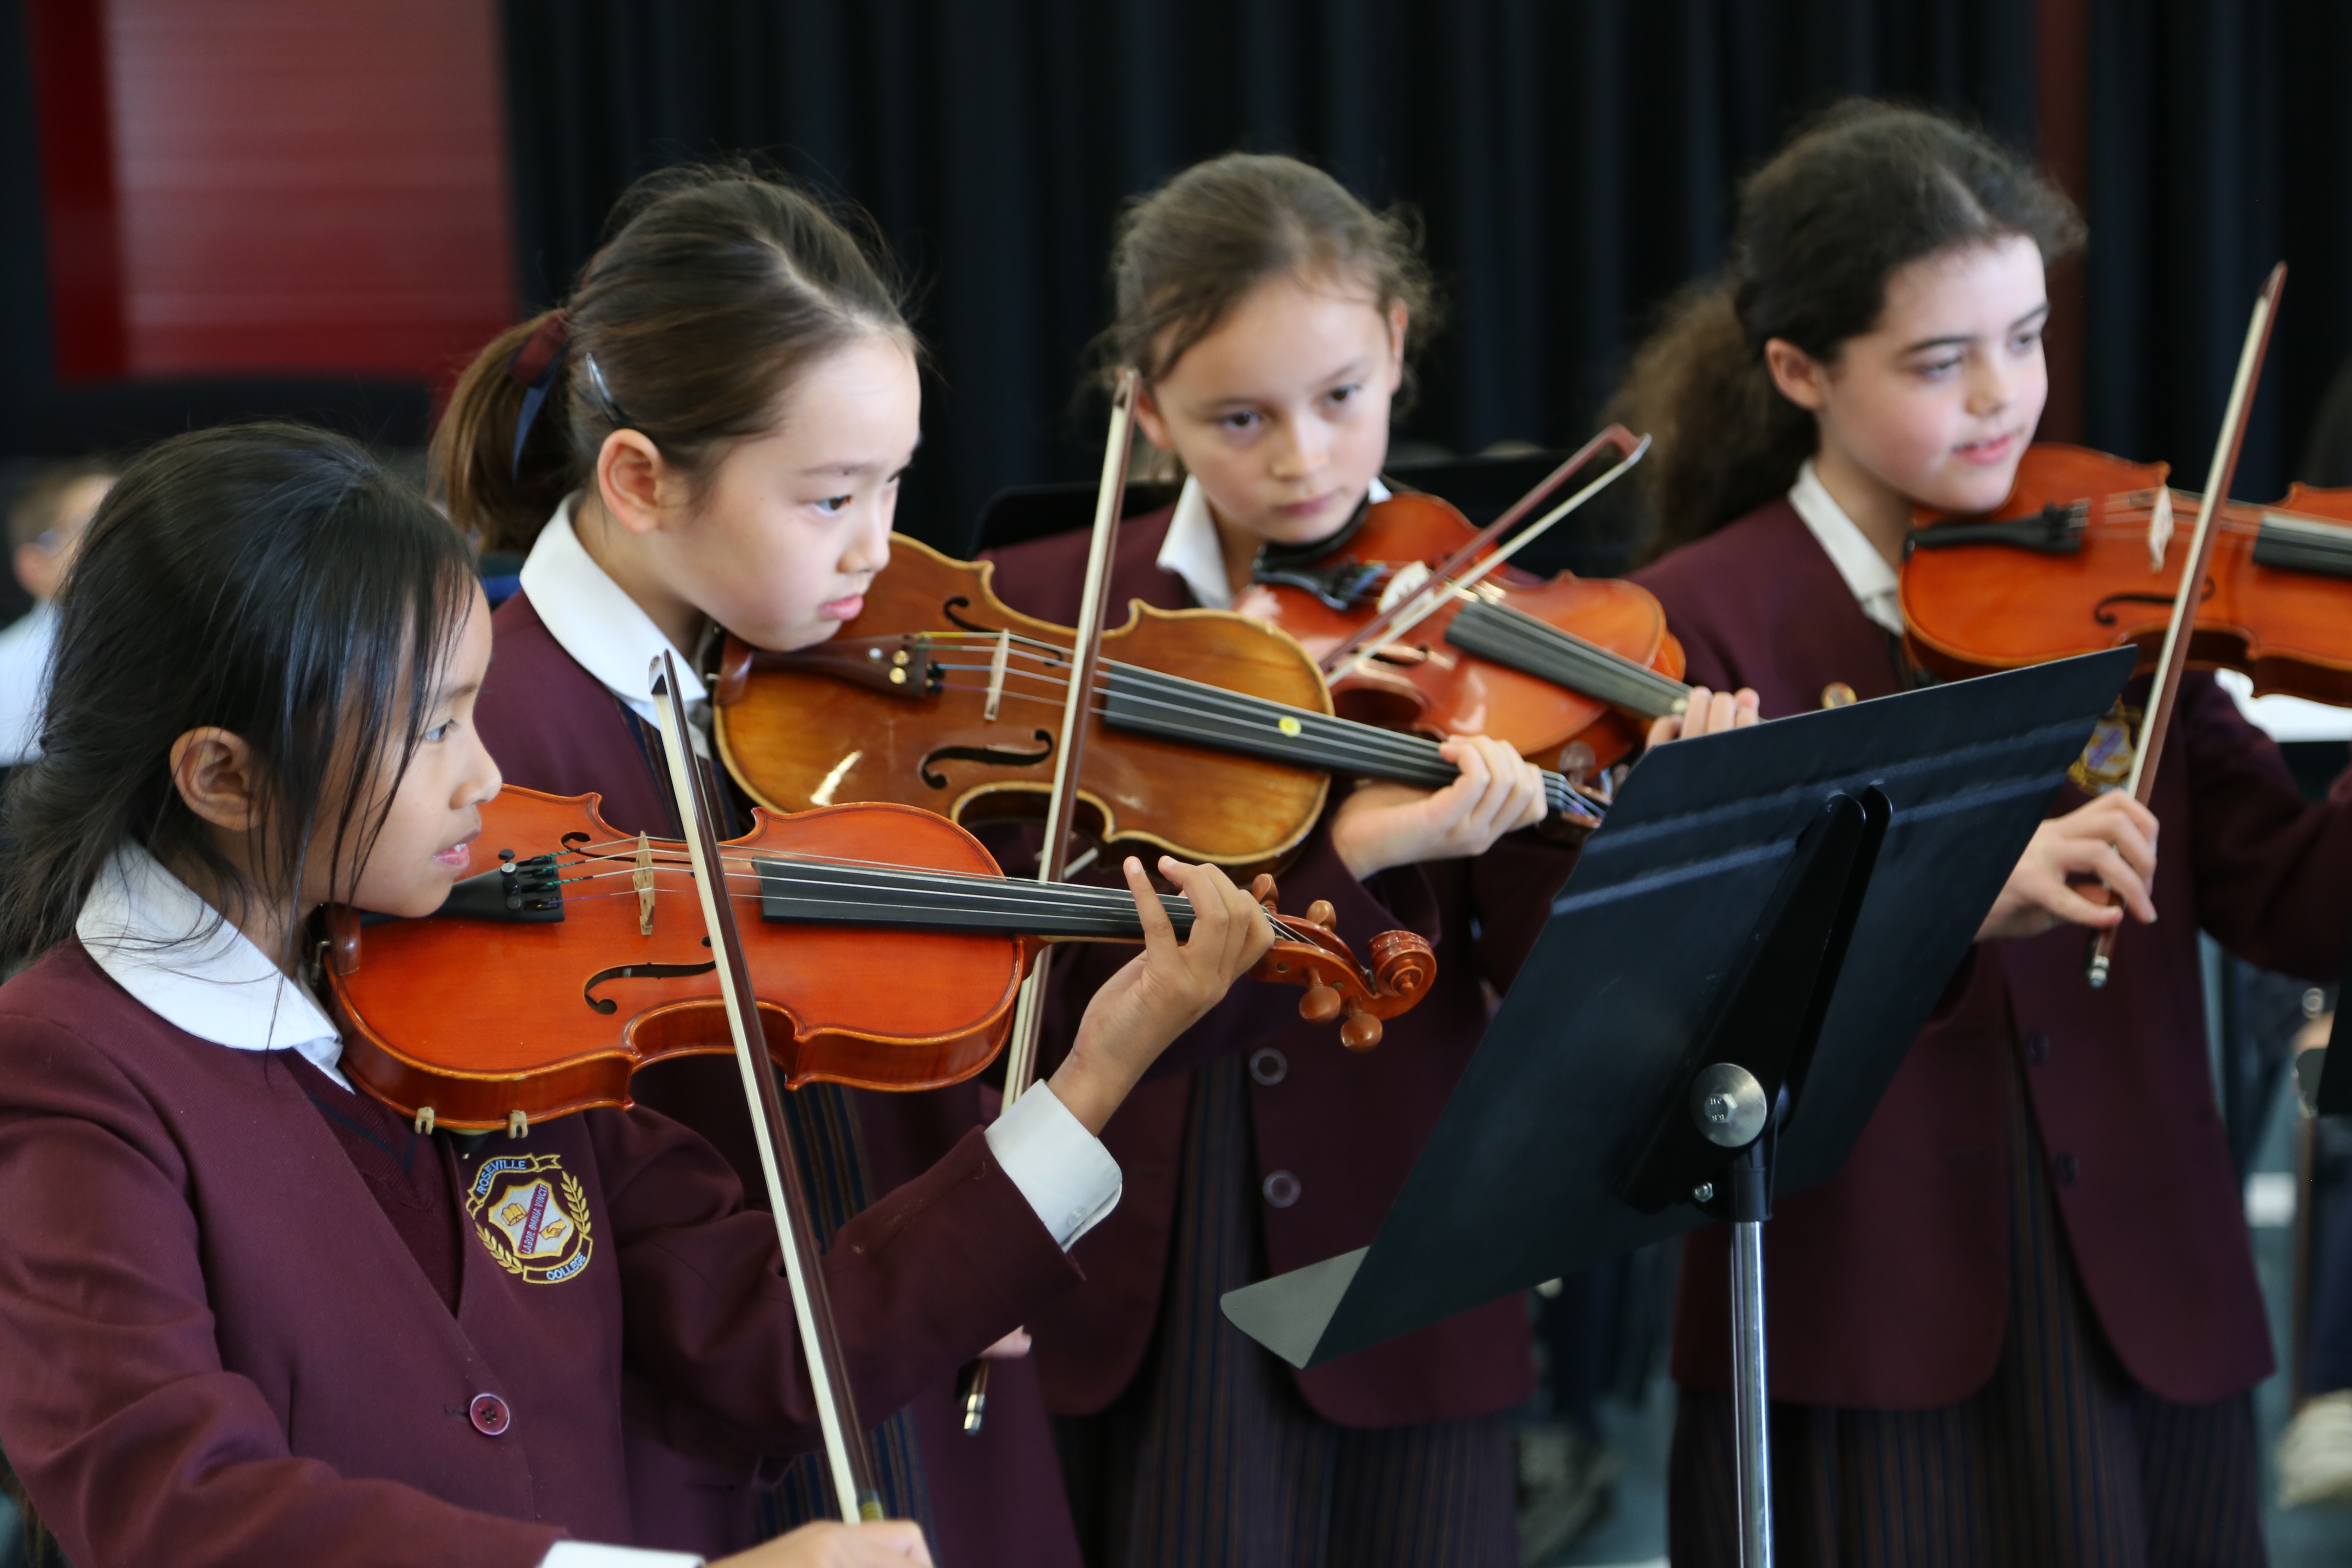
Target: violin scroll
pixel 1311 953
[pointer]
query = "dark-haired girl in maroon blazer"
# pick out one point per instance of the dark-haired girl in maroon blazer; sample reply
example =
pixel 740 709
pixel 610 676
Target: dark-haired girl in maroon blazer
pixel 2022 1325
pixel 1267 310
pixel 709 434
pixel 247 1315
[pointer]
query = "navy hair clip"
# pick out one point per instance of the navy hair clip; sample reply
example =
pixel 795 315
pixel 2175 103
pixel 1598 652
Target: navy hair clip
pixel 536 365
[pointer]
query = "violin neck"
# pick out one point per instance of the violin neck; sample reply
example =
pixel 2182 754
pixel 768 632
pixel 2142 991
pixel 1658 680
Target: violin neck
pixel 838 894
pixel 1516 640
pixel 1195 714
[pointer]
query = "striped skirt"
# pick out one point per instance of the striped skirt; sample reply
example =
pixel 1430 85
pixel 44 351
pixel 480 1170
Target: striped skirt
pixel 2062 1459
pixel 1211 1459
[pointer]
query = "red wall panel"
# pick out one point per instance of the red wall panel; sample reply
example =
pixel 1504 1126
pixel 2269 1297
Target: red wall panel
pixel 308 185
pixel 79 216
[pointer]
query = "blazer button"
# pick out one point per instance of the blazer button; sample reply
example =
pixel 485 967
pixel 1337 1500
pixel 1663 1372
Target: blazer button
pixel 2068 1169
pixel 1268 1066
pixel 2037 1048
pixel 1281 1189
pixel 490 1415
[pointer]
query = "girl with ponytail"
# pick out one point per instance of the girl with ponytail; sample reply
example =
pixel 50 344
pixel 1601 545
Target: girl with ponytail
pixel 709 435
pixel 2022 1324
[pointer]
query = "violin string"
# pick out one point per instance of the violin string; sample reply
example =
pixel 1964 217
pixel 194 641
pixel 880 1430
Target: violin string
pixel 1371 742
pixel 1014 898
pixel 1367 754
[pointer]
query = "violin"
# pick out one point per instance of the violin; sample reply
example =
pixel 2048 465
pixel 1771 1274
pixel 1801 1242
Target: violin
pixel 1421 624
pixel 2084 556
pixel 2277 563
pixel 1208 734
pixel 884 947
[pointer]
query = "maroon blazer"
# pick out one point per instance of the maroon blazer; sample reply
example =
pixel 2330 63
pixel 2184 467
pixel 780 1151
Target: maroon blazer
pixel 1344 1129
pixel 996 1497
pixel 219 1351
pixel 1889 1284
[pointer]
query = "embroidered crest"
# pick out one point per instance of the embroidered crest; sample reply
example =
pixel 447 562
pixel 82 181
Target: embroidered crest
pixel 532 1215
pixel 2106 761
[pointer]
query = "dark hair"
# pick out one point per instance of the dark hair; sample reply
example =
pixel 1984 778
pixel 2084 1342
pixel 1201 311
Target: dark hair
pixel 1189 252
pixel 40 501
pixel 715 288
pixel 274 581
pixel 1863 191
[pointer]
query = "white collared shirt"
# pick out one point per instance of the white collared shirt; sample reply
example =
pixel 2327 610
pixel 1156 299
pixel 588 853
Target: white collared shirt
pixel 159 942
pixel 1063 1171
pixel 594 620
pixel 1192 550
pixel 1868 577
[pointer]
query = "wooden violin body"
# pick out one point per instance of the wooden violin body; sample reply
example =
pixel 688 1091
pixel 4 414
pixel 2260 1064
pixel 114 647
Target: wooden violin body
pixel 2065 567
pixel 1208 734
pixel 1504 662
pixel 885 946
pixel 960 738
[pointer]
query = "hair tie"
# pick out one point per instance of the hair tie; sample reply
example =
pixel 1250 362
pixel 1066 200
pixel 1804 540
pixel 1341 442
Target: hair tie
pixel 536 366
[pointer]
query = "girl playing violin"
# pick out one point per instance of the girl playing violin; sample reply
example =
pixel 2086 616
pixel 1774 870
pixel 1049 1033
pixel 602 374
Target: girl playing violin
pixel 2022 1324
pixel 243 1314
pixel 1268 312
pixel 709 435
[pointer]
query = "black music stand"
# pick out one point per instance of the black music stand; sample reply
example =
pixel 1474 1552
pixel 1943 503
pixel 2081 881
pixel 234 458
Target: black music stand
pixel 1727 985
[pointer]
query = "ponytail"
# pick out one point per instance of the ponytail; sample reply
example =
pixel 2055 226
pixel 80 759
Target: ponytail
pixel 1864 191
pixel 1724 440
pixel 717 289
pixel 503 502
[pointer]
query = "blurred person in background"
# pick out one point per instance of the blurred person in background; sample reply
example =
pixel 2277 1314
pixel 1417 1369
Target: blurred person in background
pixel 45 528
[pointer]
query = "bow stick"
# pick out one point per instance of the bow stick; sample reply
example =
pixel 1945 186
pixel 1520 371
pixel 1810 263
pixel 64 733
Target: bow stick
pixel 1418 606
pixel 2175 657
pixel 836 1404
pixel 1054 856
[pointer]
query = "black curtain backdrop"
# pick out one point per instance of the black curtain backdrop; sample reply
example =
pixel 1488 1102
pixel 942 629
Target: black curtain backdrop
pixel 2221 141
pixel 1573 163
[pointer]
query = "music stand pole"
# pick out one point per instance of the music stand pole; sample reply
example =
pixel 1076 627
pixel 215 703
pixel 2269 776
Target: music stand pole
pixel 1750 1384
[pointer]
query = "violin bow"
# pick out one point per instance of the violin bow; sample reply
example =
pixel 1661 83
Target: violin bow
pixel 2174 658
pixel 1418 606
pixel 1054 856
pixel 836 1403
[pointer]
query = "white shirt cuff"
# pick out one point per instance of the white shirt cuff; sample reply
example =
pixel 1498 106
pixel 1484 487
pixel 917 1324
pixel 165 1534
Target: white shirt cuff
pixel 588 1554
pixel 1063 1171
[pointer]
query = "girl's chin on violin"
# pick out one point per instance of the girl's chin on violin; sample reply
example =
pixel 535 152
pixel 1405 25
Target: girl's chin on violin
pixel 1308 522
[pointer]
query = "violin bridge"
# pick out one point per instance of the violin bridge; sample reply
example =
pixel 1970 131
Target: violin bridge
pixel 996 664
pixel 2160 528
pixel 642 879
pixel 1405 582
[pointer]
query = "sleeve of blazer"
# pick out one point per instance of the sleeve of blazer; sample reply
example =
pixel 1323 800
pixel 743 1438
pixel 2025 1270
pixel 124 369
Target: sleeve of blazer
pixel 134 1443
pixel 2274 870
pixel 922 1281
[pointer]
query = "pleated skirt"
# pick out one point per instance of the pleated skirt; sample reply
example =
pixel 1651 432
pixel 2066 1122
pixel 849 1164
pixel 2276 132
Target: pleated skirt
pixel 2062 1459
pixel 1211 1458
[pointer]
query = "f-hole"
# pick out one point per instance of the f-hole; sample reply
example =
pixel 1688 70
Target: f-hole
pixel 606 1005
pixel 993 756
pixel 2105 616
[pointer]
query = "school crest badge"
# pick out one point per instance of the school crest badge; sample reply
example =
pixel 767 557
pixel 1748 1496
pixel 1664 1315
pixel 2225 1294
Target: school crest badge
pixel 532 1215
pixel 2106 761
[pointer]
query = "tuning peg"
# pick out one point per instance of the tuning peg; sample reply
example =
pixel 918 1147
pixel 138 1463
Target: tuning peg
pixel 1321 913
pixel 1262 889
pixel 1361 1032
pixel 1319 1004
